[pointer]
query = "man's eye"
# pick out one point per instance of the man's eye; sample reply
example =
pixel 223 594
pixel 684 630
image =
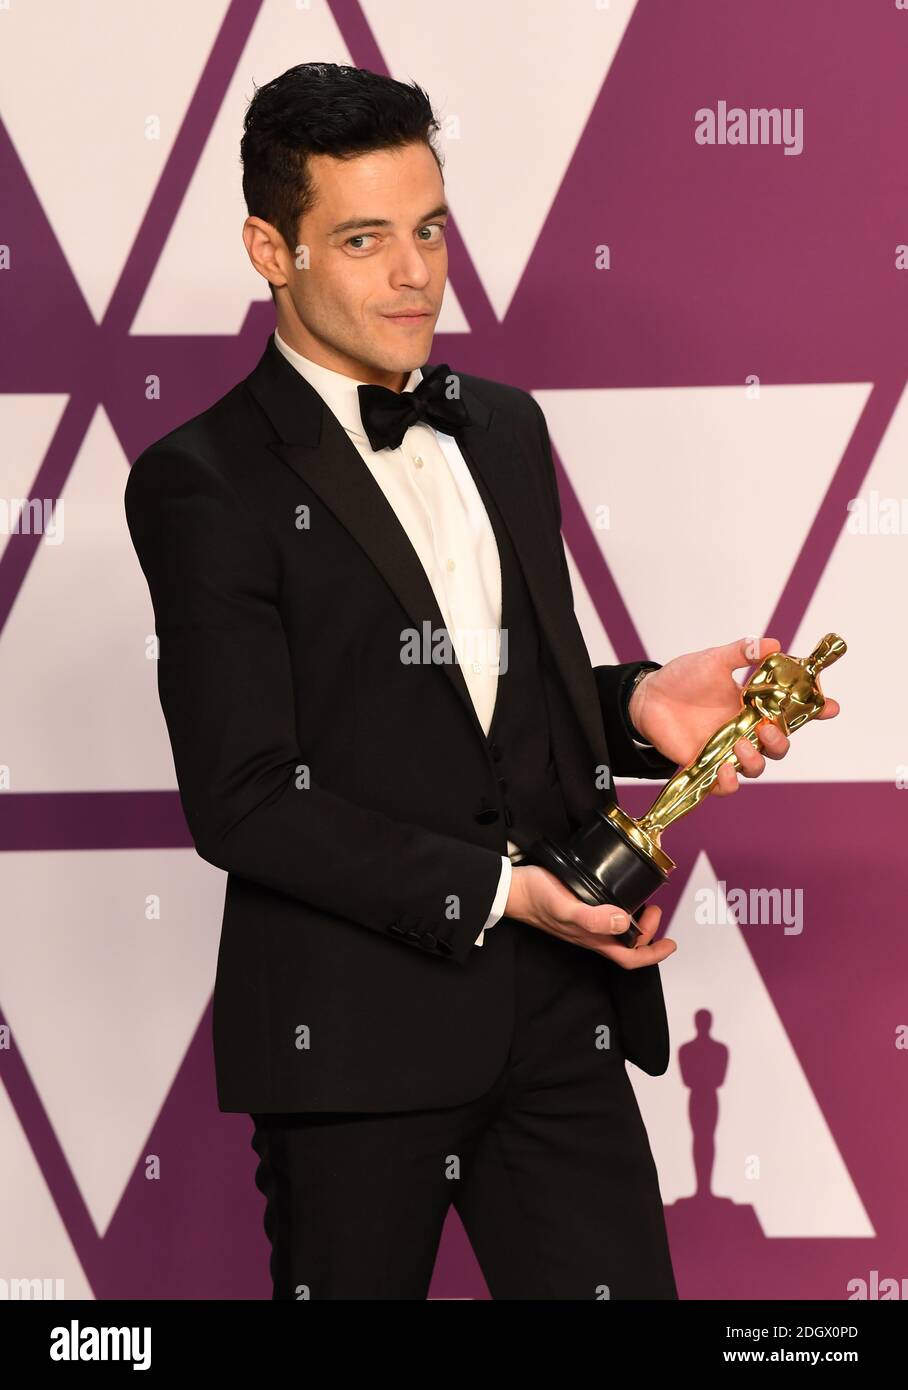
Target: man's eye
pixel 356 242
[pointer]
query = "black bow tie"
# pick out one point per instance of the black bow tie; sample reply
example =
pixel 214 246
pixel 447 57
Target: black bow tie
pixel 387 415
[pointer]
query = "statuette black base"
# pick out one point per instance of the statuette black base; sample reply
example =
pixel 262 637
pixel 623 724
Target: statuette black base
pixel 607 860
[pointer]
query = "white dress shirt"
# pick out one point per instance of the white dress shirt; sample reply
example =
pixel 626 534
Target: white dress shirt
pixel 429 486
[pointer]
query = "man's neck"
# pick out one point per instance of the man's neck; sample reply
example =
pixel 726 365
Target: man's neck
pixel 338 362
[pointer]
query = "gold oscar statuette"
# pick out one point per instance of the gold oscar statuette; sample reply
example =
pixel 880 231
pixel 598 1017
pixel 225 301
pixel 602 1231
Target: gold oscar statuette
pixel 613 858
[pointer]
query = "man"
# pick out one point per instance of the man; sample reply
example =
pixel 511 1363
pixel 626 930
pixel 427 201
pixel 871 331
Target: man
pixel 410 1016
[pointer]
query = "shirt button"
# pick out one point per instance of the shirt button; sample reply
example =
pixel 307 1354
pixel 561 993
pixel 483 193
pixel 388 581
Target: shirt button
pixel 477 667
pixel 449 564
pixel 418 461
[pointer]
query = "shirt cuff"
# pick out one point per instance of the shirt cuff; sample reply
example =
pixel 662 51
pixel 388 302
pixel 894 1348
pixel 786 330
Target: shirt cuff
pixel 499 902
pixel 626 704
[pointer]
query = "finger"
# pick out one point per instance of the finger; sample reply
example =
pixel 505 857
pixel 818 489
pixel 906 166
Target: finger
pixel 829 710
pixel 751 760
pixel 747 651
pixel 775 743
pixel 606 920
pixel 640 955
pixel 726 781
pixel 648 924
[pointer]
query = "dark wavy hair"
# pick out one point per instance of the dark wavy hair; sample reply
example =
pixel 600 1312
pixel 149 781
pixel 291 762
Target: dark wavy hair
pixel 322 108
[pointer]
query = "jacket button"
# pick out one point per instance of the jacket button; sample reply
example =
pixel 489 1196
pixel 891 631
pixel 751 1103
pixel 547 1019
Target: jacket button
pixel 445 948
pixel 503 786
pixel 429 941
pixel 413 935
pixel 495 750
pixel 396 929
pixel 508 818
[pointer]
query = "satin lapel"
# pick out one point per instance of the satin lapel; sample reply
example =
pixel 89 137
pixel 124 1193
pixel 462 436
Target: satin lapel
pixel 316 446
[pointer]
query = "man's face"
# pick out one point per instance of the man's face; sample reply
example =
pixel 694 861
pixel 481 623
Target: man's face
pixel 376 247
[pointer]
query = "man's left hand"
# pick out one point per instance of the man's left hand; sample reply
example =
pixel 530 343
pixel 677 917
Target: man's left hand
pixel 680 706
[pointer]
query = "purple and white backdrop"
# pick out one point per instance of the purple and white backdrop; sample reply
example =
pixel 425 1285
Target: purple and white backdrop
pixel 714 295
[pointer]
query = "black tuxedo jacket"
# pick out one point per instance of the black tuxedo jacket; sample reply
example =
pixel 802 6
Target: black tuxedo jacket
pixel 336 785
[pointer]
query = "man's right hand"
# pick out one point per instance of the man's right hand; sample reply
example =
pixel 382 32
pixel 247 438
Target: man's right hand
pixel 540 899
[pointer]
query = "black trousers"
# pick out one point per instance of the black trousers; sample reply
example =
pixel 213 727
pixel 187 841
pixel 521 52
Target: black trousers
pixel 550 1170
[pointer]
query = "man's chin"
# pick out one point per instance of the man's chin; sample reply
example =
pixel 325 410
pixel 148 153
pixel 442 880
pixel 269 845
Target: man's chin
pixel 393 360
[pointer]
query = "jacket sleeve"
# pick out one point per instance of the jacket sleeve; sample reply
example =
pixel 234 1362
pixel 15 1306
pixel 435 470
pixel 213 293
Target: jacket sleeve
pixel 226 689
pixel 626 758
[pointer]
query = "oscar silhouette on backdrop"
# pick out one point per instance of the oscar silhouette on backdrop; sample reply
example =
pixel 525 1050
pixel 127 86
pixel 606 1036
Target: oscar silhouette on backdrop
pixel 731 1229
pixel 703 1063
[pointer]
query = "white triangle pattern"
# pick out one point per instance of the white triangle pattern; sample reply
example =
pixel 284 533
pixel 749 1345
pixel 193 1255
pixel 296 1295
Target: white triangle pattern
pixel 28 422
pixel 111 71
pixel 863 595
pixel 80 691
pixel 699 554
pixel 767 1108
pixel 34 1243
pixel 600 649
pixel 102 1002
pixel 191 293
pixel 494 82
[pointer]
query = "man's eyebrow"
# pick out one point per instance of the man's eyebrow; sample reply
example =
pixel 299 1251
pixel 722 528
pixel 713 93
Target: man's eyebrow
pixel 352 223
